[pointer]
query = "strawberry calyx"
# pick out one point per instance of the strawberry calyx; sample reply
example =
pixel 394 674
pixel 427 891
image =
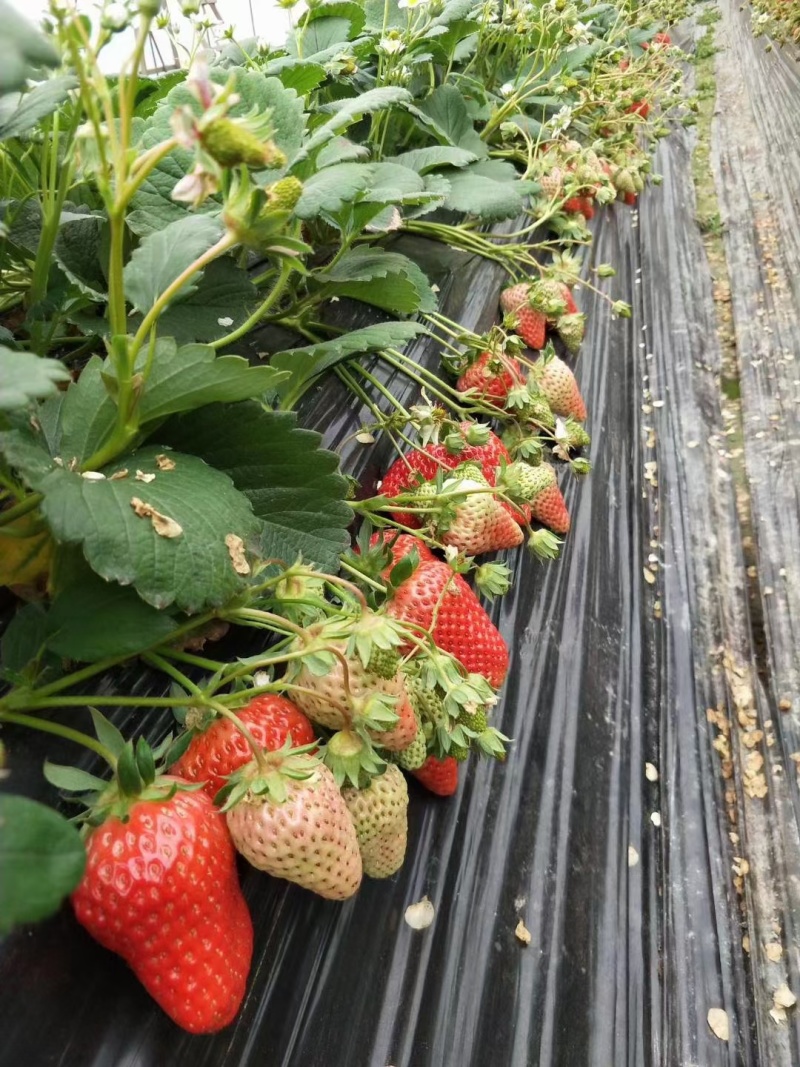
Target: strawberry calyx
pixel 352 759
pixel 267 775
pixel 544 544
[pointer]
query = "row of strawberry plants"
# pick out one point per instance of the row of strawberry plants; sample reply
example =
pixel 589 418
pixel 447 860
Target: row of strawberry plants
pixel 158 491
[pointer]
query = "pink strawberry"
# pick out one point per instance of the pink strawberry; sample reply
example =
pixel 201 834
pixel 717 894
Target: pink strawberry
pixel 558 384
pixel 324 698
pixel 539 487
pixel 289 819
pixel 440 776
pixel 441 602
pixel 492 376
pixel 381 823
pixel 481 523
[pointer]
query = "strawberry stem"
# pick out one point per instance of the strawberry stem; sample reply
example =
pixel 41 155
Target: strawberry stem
pixel 67 732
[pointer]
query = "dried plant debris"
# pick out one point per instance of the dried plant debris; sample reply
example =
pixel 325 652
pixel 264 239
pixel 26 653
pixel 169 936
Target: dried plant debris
pixel 719 1024
pixel 522 933
pixel 419 916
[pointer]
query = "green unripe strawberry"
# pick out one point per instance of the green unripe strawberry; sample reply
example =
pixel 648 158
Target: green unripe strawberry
pixel 383 662
pixel 285 193
pixel 232 144
pixel 571 329
pixel 417 752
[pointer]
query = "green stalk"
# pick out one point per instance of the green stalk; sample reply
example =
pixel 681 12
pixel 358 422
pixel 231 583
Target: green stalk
pixel 29 504
pixel 48 727
pixel 287 269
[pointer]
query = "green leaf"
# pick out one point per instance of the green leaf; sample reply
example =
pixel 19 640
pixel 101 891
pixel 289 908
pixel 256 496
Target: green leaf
pixel 224 291
pixel 188 565
pixel 320 34
pixel 392 184
pixel 79 251
pixel 404 288
pixel 293 485
pixel 72 779
pixel 340 150
pixel 303 365
pixel 447 112
pixel 189 377
pixel 88 415
pixel 20 113
pixel 92 620
pixel 303 77
pixel 25 377
pixel 424 159
pixel 328 189
pixel 24 638
pixel 21 48
pixel 353 109
pixel 163 256
pixel 153 207
pixel 42 859
pixel 27 453
pixel 476 193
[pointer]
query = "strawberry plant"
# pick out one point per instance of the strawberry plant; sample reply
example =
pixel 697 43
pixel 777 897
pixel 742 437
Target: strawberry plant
pixel 161 502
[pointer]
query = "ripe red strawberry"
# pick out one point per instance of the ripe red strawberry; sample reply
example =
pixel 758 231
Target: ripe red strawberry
pixel 639 107
pixel 573 206
pixel 481 523
pixel 588 208
pixel 222 748
pixel 660 38
pixel 324 698
pixel 294 824
pixel 492 376
pixel 540 487
pixel 379 814
pixel 529 324
pixel 402 544
pixel 404 473
pixel 161 890
pixel 561 391
pixel 630 199
pixel 441 602
pixel 440 776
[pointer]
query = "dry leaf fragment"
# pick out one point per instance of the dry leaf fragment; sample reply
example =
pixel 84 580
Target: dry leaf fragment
pixel 718 1022
pixel 117 476
pixel 655 818
pixel 783 997
pixel 164 462
pixel 746 944
pixel 162 524
pixel 633 856
pixel 235 546
pixel 778 1014
pixel 650 772
pixel 773 950
pixel 419 916
pixel 93 476
pixel 785 705
pixel 522 933
pixel 649 577
pixel 140 476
